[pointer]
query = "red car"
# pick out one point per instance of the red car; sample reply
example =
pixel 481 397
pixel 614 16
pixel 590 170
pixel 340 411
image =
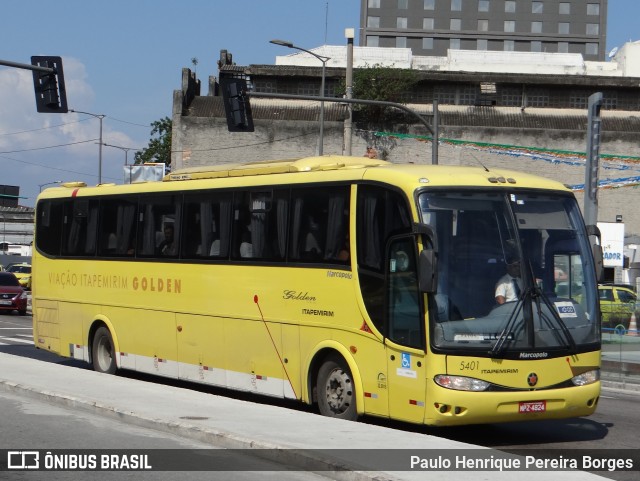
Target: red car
pixel 12 296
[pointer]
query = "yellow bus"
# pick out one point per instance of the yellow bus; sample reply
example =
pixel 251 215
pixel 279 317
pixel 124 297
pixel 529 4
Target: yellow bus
pixel 362 286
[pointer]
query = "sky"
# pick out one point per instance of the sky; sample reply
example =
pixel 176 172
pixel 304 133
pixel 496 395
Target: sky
pixel 124 58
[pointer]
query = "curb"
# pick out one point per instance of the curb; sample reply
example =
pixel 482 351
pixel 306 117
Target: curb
pixel 303 460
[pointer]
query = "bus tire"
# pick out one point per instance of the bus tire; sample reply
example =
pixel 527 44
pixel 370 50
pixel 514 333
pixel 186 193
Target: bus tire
pixel 102 352
pixel 335 390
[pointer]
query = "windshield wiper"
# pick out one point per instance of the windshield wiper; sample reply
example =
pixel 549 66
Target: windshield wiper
pixel 570 341
pixel 499 346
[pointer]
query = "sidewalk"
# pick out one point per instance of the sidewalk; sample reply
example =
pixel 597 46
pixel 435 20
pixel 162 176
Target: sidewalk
pixel 287 436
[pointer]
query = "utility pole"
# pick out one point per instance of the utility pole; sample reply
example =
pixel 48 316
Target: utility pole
pixel 593 160
pixel 349 33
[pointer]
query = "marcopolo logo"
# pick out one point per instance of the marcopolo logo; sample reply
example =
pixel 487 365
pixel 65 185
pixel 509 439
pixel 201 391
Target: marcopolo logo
pixel 534 355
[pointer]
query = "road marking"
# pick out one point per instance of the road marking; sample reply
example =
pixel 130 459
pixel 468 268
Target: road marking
pixel 15 339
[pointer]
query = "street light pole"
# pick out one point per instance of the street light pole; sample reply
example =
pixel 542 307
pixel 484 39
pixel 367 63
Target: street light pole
pixel 324 60
pixel 126 151
pixel 100 117
pixel 49 183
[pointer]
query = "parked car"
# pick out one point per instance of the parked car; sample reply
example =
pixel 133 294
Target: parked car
pixel 616 304
pixel 23 273
pixel 12 296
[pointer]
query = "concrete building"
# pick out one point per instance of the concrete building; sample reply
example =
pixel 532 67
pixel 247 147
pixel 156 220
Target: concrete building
pixel 519 110
pixel 16 231
pixel 431 27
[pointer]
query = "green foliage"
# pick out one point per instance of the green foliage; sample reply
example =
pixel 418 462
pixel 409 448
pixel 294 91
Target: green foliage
pixel 159 148
pixel 381 83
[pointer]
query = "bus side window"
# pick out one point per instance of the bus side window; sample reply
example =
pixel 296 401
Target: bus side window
pixel 117 219
pixel 320 225
pixel 49 226
pixel 159 226
pixel 261 225
pixel 381 213
pixel 207 229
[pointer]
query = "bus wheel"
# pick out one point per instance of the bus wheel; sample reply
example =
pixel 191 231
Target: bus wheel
pixel 103 355
pixel 336 396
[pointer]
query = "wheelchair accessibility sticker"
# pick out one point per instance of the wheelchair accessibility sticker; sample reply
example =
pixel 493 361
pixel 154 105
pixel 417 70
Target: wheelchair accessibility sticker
pixel 406 360
pixel 405 367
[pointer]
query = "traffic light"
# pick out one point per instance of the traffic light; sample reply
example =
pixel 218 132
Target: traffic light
pixel 236 104
pixel 51 96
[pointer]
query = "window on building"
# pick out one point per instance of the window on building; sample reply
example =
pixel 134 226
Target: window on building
pixel 373 41
pixel 373 22
pixel 509 45
pixel 578 99
pixel 610 100
pixel 483 25
pixel 468 94
pixel 564 8
pixel 428 23
pixel 483 44
pixel 483 5
pixel 536 27
pixel 374 4
pixel 427 43
pixel 446 94
pixel 563 47
pixel 510 6
pixel 401 42
pixel 593 9
pixel 403 4
pixel 593 29
pixel 537 7
pixel 509 25
pixel 429 4
pixel 455 24
pixel 591 49
pixel 538 97
pixel 401 22
pixel 536 46
pixel 454 44
pixel 456 5
pixel 510 96
pixel 563 28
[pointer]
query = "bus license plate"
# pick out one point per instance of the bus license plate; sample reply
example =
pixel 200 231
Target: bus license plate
pixel 532 407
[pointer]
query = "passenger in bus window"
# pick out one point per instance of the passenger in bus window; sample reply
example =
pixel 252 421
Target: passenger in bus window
pixel 215 248
pixel 246 247
pixel 168 246
pixel 311 249
pixel 343 254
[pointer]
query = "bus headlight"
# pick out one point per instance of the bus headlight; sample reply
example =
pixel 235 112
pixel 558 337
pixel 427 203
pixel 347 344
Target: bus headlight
pixel 460 383
pixel 585 378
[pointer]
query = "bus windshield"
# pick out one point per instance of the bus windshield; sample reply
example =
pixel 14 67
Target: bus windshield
pixel 515 274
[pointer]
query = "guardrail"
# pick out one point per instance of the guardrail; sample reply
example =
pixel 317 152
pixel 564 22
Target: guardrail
pixel 621 353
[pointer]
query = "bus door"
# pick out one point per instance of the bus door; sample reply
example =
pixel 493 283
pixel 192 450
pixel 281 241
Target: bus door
pixel 405 339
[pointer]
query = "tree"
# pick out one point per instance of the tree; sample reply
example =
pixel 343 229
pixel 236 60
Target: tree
pixel 159 149
pixel 381 83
